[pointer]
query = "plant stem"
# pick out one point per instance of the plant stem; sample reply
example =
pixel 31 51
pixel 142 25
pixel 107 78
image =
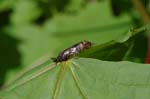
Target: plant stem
pixel 146 20
pixel 59 81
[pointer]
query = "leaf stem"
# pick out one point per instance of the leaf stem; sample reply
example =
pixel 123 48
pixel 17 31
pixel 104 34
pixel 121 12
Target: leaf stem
pixel 77 83
pixel 36 63
pixel 145 18
pixel 40 72
pixel 59 80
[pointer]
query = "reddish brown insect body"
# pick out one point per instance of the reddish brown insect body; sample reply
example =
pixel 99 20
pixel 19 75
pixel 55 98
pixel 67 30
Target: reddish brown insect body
pixel 72 51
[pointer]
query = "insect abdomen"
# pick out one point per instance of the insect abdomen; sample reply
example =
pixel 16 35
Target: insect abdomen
pixel 72 51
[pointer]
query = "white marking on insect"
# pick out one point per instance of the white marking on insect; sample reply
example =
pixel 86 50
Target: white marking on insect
pixel 73 50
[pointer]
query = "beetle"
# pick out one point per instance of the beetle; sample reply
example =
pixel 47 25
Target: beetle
pixel 72 51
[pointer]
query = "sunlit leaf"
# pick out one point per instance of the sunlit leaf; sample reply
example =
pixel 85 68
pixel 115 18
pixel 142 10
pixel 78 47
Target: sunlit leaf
pixel 82 78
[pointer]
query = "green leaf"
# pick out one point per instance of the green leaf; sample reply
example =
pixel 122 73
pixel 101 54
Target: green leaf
pixel 6 4
pixel 94 23
pixel 25 12
pixel 82 78
pixel 74 5
pixel 123 48
pixel 36 45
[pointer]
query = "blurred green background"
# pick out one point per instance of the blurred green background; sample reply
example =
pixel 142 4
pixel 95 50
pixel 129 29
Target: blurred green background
pixel 35 30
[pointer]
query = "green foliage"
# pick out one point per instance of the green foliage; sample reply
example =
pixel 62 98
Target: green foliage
pixel 39 29
pixel 124 45
pixel 82 78
pixel 25 12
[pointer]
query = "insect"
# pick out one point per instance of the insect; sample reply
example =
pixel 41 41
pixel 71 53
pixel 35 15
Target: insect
pixel 72 51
